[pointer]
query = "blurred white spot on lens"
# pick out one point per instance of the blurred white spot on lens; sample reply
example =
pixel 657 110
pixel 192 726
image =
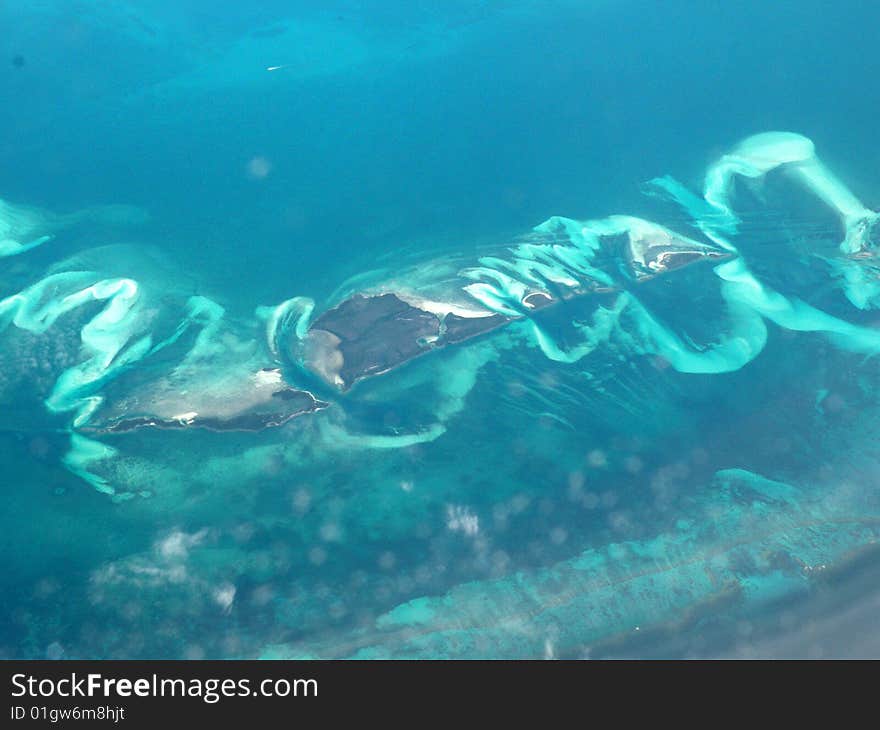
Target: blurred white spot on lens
pixel 243 532
pixel 500 515
pixel 317 556
pixel 301 501
pixel 387 560
pixel 54 651
pixel 407 486
pixel 258 168
pixel 575 484
pixel 500 560
pixel 590 500
pixel 700 456
pixel 519 503
pixel 262 595
pixel 194 652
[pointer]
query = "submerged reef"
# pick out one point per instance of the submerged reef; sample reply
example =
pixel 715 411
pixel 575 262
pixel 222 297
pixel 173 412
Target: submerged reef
pixel 743 539
pixel 593 332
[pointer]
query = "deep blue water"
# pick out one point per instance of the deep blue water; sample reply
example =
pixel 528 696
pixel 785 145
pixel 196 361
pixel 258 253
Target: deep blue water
pixel 390 134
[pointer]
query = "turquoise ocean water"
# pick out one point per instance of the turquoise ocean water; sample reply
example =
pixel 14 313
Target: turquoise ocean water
pixel 201 208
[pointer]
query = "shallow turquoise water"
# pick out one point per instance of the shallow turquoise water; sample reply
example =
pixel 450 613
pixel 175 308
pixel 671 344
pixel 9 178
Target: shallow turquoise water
pixel 680 465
